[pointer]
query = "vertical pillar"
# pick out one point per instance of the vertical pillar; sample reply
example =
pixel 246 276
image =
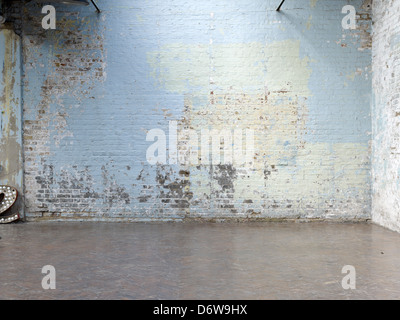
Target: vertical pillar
pixel 11 161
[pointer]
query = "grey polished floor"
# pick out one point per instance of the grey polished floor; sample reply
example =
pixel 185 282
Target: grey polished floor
pixel 198 261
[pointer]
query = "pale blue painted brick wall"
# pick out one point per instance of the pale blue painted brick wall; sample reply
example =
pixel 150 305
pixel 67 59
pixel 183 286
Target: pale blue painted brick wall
pixel 94 87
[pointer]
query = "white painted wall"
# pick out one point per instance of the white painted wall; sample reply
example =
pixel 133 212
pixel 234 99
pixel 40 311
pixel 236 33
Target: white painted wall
pixel 386 114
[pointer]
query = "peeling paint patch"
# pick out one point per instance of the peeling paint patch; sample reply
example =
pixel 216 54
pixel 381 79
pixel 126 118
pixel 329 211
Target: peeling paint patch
pixel 313 3
pixel 361 37
pixel 250 68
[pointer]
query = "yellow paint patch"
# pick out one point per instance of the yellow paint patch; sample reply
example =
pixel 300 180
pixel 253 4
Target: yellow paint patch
pixel 244 67
pixel 313 3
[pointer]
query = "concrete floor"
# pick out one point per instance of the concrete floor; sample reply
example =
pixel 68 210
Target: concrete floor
pixel 198 261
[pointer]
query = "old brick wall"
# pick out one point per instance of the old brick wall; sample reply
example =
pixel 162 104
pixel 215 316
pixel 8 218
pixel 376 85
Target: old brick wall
pixel 386 114
pixel 98 84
